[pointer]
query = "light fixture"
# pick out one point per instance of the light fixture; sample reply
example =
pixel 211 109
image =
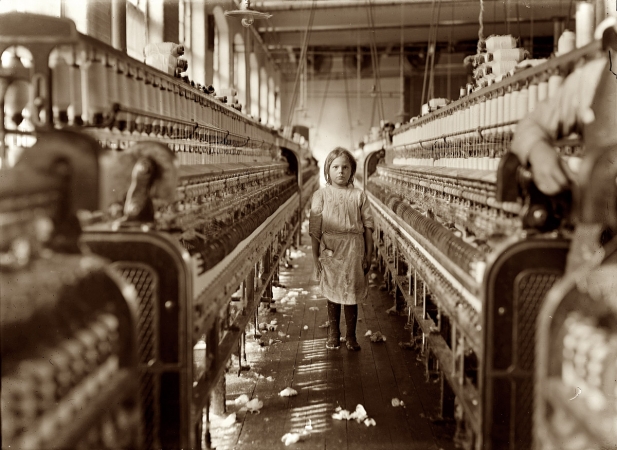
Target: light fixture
pixel 247 15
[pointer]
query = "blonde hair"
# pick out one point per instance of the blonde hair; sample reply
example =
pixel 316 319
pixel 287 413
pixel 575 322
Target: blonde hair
pixel 339 151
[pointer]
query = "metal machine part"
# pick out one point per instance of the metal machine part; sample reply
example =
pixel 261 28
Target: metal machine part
pixel 67 319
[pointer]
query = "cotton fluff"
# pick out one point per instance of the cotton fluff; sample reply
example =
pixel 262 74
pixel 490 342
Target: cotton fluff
pixel 242 399
pixel 292 438
pixel 378 337
pixel 288 392
pixel 359 414
pixel 396 402
pixel 254 405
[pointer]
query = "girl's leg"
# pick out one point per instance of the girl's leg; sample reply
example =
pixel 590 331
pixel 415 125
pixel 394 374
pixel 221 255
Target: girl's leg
pixel 351 318
pixel 334 331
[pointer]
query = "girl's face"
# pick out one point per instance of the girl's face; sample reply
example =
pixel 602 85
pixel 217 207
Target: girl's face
pixel 340 171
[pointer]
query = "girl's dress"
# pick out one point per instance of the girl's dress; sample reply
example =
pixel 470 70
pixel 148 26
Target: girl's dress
pixel 338 218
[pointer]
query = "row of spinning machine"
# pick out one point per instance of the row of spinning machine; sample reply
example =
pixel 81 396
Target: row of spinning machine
pixel 471 248
pixel 187 204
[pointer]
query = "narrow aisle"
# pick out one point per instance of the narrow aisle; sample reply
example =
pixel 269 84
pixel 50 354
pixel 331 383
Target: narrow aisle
pixel 292 354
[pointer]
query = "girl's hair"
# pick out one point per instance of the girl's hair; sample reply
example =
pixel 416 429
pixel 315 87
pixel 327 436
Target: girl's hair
pixel 339 151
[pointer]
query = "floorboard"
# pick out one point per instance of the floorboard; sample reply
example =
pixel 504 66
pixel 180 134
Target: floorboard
pixel 294 355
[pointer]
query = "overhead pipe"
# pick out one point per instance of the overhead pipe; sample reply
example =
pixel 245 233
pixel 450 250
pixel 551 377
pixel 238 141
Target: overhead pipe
pixel 278 5
pixel 296 5
pixel 386 26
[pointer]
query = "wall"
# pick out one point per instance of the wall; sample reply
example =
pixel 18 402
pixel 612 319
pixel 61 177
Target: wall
pixel 328 117
pixel 333 121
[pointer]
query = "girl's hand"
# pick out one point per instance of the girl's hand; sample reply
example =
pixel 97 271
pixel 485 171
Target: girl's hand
pixel 366 266
pixel 317 265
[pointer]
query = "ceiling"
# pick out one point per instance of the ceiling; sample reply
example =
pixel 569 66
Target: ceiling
pixel 344 26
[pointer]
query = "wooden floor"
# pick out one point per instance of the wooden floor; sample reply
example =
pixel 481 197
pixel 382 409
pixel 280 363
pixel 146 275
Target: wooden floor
pixel 326 379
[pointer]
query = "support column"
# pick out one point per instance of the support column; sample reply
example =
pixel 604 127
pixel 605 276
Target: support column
pixel 447 399
pixel 206 431
pixel 217 397
pixel 399 298
pixel 199 430
pixel 249 289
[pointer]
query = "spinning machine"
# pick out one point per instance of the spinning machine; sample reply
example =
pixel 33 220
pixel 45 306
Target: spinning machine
pixel 470 247
pixel 67 318
pixel 198 204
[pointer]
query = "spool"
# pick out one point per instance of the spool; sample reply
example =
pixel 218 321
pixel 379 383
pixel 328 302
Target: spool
pixel 123 94
pixel 533 97
pixel 514 108
pixel 554 82
pixel 17 95
pixel 164 106
pixel 566 42
pixel 482 105
pixel 542 90
pixel 60 65
pixel 522 104
pixel 494 43
pixel 493 120
pixel 75 109
pixel 585 23
pixel 509 54
pixel 507 117
pixel 500 112
pixel 150 100
pixel 136 102
pixel 94 89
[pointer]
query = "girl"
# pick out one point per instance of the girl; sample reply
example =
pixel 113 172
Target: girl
pixel 340 227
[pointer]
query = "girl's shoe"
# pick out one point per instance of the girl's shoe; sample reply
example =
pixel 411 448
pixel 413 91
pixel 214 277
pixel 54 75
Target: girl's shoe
pixel 352 345
pixel 333 343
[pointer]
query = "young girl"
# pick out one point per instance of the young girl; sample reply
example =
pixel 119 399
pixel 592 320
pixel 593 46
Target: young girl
pixel 340 227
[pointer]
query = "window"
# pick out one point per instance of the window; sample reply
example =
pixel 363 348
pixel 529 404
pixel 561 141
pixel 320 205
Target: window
pixel 240 69
pixel 48 7
pixel 136 28
pixel 221 57
pixel 184 15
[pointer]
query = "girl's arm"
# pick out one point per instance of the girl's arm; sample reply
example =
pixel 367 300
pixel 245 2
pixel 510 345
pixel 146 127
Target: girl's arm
pixel 315 245
pixel 315 220
pixel 368 248
pixel 369 225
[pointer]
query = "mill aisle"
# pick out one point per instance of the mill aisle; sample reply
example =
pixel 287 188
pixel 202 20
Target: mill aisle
pixel 291 353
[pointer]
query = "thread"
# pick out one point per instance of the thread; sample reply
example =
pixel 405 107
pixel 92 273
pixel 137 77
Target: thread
pixel 494 43
pixel 533 97
pixel 554 82
pixel 164 48
pixel 522 104
pixel 542 90
pixel 506 107
pixel 482 107
pixel 61 91
pixel 501 68
pixel 493 120
pixel 509 54
pixel 514 108
pixel 500 111
pixel 481 39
